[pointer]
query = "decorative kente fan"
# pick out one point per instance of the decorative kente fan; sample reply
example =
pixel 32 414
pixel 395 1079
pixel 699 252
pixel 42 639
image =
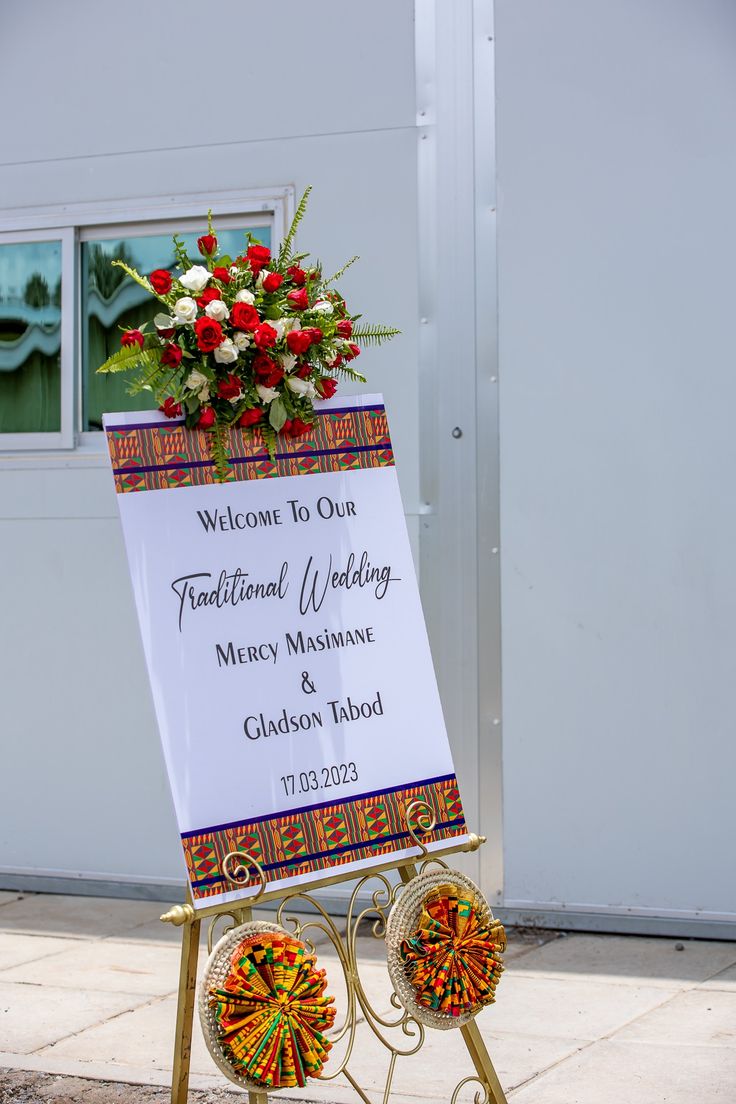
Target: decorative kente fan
pixel 263 1008
pixel 444 949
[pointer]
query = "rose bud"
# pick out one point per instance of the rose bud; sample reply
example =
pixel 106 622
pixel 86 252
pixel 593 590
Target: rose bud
pixel 243 316
pixel 298 275
pixel 258 254
pixel 294 427
pixel 171 355
pixel 132 337
pixel 209 334
pixel 298 300
pixel 208 296
pixel 344 327
pixel 267 371
pixel 160 281
pixel 315 334
pixel 251 417
pixel 298 341
pixel 170 408
pixel 273 282
pixel 303 370
pixel 207 244
pixel 229 388
pixel 206 418
pixel 354 351
pixel 327 387
pixel 265 336
pixel 224 276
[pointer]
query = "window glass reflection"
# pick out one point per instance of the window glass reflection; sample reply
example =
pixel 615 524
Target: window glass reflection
pixel 111 301
pixel 30 337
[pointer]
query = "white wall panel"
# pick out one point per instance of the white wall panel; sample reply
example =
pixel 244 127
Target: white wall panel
pixel 617 172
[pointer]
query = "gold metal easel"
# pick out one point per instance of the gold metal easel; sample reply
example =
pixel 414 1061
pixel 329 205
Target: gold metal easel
pixel 238 867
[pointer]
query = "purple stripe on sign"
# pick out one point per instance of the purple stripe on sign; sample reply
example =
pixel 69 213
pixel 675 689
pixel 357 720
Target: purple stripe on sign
pixel 170 423
pixel 250 459
pixel 315 808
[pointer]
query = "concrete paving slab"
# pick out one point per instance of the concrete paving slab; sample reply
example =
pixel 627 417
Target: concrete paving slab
pixel 571 1008
pixel 18 948
pixel 80 917
pixel 6 896
pixel 105 966
pixel 702 1017
pixel 629 958
pixel 726 979
pixel 35 1016
pixel 610 1072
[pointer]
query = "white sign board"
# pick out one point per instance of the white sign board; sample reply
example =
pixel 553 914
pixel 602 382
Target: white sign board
pixel 286 647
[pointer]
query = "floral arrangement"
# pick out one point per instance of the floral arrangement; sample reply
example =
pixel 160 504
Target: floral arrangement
pixel 251 341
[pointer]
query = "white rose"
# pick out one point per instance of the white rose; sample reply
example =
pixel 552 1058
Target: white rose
pixel 245 296
pixel 195 279
pixel 288 362
pixel 241 340
pixel 198 382
pixel 322 306
pixel 226 352
pixel 185 310
pixel 283 326
pixel 333 352
pixel 164 322
pixel 217 310
pixel 234 270
pixel 301 387
pixel 266 394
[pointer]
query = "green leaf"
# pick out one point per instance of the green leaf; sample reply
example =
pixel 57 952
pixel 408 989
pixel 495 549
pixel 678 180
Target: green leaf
pixel 132 356
pixel 277 415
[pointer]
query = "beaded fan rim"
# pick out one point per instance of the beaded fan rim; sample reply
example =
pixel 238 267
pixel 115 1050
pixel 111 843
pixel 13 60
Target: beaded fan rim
pixel 216 970
pixel 403 920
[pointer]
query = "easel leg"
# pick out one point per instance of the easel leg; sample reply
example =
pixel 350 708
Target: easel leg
pixel 482 1062
pixel 185 1012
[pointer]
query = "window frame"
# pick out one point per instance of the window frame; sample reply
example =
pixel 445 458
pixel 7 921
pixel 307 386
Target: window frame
pixel 75 223
pixel 63 437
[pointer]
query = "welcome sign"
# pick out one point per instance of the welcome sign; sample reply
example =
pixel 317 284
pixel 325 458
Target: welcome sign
pixel 285 643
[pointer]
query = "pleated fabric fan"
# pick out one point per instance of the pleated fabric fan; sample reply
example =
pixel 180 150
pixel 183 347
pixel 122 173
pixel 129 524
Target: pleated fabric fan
pixel 444 949
pixel 263 1008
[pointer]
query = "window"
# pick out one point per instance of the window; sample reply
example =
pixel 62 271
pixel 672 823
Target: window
pixel 63 305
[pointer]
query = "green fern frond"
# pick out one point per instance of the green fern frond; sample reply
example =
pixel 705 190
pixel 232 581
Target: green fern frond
pixel 340 271
pixel 269 438
pixel 218 449
pixel 182 256
pixel 210 227
pixel 285 251
pixel 132 356
pixel 373 335
pixel 134 275
pixel 345 371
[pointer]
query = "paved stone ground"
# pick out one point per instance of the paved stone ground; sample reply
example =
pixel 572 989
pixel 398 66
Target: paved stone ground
pixel 88 1004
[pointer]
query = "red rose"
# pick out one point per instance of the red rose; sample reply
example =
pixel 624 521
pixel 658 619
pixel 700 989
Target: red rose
pixel 304 370
pixel 209 334
pixel 229 388
pixel 171 355
pixel 336 362
pixel 132 337
pixel 222 275
pixel 354 351
pixel 267 371
pixel 298 275
pixel 160 281
pixel 298 341
pixel 265 336
pixel 250 417
pixel 273 281
pixel 206 418
pixel 243 316
pixel 258 255
pixel 208 295
pixel 294 427
pixel 327 387
pixel 315 334
pixel 299 300
pixel 170 408
pixel 344 327
pixel 207 244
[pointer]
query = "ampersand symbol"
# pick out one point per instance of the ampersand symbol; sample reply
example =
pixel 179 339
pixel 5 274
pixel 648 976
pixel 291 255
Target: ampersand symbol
pixel 308 686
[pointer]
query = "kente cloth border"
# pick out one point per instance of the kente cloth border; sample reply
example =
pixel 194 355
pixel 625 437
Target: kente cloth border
pixel 317 837
pixel 161 455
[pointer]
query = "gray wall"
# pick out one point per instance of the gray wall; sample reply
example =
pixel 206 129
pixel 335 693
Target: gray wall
pixel 107 114
pixel 617 238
